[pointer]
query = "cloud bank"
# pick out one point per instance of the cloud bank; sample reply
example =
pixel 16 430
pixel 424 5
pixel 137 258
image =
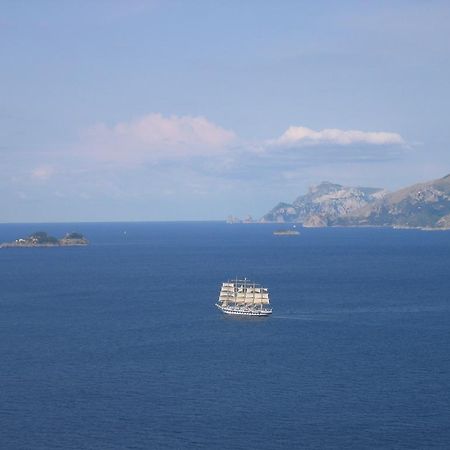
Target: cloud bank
pixel 297 136
pixel 186 161
pixel 154 138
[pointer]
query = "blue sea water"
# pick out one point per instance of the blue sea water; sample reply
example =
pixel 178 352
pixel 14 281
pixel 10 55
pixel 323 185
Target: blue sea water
pixel 119 346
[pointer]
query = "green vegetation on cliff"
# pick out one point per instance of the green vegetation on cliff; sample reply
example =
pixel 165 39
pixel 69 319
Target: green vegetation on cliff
pixel 42 239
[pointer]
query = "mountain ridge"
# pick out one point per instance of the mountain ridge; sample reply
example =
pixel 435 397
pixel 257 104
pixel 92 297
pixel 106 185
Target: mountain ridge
pixel 422 205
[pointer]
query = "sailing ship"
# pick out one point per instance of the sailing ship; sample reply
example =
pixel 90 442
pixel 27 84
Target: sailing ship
pixel 244 298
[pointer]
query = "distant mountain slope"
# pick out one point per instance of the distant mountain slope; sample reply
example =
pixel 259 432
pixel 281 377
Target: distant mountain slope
pixel 323 204
pixel 423 205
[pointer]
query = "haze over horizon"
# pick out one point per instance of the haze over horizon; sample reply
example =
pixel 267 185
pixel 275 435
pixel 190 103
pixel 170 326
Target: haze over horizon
pixel 152 110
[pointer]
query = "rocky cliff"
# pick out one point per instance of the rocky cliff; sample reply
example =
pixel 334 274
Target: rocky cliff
pixel 323 204
pixel 423 205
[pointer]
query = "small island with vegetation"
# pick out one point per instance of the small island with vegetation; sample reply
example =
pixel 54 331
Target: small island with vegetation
pixel 42 239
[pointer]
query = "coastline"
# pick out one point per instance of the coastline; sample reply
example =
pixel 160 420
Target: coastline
pixel 42 239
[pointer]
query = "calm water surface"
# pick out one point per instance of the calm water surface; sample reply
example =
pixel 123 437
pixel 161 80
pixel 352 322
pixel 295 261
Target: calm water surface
pixel 119 346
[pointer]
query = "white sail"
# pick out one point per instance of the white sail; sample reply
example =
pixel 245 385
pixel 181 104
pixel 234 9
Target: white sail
pixel 243 297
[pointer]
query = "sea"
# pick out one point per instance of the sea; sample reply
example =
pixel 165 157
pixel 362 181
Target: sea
pixel 118 345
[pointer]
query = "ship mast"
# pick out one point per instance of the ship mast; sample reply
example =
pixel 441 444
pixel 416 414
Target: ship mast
pixel 243 296
pixel 254 293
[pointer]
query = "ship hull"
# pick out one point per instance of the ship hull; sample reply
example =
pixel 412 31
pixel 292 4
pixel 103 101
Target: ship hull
pixel 244 311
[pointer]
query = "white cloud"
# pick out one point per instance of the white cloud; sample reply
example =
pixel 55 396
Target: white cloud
pixel 154 138
pixel 42 172
pixel 302 136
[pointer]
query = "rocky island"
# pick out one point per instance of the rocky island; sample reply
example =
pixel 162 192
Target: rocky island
pixel 424 206
pixel 42 239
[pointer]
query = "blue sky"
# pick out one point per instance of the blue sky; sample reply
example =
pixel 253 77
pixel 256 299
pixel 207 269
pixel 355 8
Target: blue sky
pixel 166 110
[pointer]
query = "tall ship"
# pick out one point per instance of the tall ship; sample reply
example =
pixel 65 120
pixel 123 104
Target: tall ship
pixel 244 298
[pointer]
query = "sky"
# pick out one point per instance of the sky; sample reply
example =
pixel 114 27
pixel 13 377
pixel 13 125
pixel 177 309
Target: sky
pixel 195 110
